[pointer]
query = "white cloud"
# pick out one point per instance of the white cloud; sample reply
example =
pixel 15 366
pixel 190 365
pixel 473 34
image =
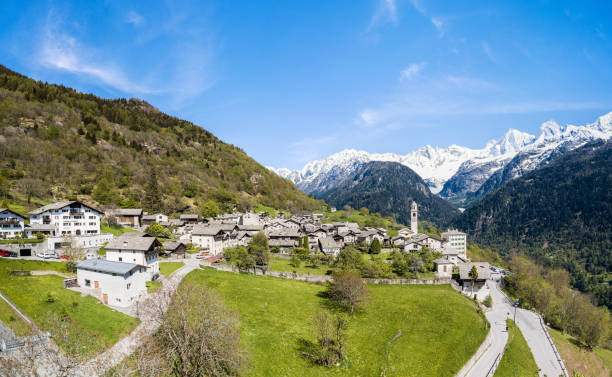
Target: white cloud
pixel 385 12
pixel 487 51
pixel 134 18
pixel 439 25
pixel 411 71
pixel 63 52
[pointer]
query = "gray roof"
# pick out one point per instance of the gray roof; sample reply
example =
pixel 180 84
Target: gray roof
pixel 206 230
pixel 329 243
pixel 59 205
pixel 172 245
pixel 443 261
pixel 281 243
pixel 189 217
pixel 131 242
pixel 284 233
pixel 250 228
pixel 3 210
pixel 106 266
pixel 483 268
pixel 126 212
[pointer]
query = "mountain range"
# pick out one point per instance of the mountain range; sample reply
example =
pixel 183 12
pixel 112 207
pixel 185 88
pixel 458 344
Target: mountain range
pixel 459 172
pixel 389 188
pixel 559 214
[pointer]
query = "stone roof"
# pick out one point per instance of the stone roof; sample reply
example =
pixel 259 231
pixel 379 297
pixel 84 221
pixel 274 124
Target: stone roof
pixel 250 228
pixel 131 242
pixel 483 268
pixel 5 210
pixel 281 243
pixel 172 245
pixel 443 261
pixel 189 217
pixel 329 243
pixel 206 230
pixel 125 212
pixel 106 266
pixel 59 205
pixel 284 233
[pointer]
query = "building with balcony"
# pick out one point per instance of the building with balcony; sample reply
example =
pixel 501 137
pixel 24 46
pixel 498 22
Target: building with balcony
pixel 72 218
pixel 138 248
pixel 11 223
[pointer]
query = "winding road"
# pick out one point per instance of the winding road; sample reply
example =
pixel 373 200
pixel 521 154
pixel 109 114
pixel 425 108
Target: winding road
pixel 484 362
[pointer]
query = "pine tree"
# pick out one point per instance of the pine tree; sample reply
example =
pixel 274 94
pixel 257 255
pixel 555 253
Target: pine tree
pixel 152 200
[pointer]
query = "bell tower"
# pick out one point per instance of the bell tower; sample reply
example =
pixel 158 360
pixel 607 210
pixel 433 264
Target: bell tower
pixel 414 218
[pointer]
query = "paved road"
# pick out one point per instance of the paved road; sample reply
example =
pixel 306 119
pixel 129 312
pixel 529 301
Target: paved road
pixel 482 363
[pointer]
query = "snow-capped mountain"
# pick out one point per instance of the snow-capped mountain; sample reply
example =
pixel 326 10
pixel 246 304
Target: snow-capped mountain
pixel 457 171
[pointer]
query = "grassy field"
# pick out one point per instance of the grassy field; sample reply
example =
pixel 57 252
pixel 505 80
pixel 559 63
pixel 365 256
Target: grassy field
pixel 440 329
pixel 596 363
pixel 117 230
pixel 153 285
pixel 13 320
pixel 90 317
pixel 282 265
pixel 166 268
pixel 517 360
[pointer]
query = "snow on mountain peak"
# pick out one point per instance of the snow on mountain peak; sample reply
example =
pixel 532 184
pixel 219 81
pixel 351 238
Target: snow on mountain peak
pixel 437 165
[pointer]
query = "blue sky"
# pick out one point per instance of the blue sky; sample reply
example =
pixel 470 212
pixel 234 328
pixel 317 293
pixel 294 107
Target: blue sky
pixel 293 81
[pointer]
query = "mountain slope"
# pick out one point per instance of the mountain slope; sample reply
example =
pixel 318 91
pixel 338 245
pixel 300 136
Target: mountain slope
pixel 56 142
pixel 457 172
pixel 559 213
pixel 389 188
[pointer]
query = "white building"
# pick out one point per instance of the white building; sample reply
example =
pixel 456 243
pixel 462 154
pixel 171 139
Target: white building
pixel 115 283
pixel 211 238
pixel 329 246
pixel 249 219
pixel 69 218
pixel 444 267
pixel 157 218
pixel 11 223
pixel 456 240
pixel 136 248
pixel 478 287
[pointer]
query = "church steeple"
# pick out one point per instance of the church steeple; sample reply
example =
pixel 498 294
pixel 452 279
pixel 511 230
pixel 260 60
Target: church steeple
pixel 414 218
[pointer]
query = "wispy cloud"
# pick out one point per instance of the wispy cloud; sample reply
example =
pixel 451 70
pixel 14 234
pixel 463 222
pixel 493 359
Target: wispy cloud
pixel 386 11
pixel 134 18
pixel 437 22
pixel 180 74
pixel 308 149
pixel 487 50
pixel 61 51
pixel 411 71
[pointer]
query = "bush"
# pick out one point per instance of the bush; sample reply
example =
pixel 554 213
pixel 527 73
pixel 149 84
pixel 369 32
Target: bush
pixel 295 262
pixel 50 298
pixel 488 301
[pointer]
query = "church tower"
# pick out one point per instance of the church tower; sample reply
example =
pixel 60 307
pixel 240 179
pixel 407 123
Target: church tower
pixel 414 218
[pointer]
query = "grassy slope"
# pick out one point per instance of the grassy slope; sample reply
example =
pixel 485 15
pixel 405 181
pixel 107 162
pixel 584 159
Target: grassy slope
pixel 13 320
pixel 440 328
pixel 517 360
pixel 596 363
pixel 116 230
pixel 29 293
pixel 166 268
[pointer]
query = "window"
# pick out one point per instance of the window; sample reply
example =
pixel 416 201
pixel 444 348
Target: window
pixel 120 259
pixel 128 285
pixel 87 283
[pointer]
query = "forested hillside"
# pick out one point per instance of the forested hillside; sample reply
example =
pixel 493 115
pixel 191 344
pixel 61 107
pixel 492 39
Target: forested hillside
pixel 559 214
pixel 57 143
pixel 389 188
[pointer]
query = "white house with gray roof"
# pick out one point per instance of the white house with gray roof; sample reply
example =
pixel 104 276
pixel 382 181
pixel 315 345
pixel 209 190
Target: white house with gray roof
pixel 115 283
pixel 137 248
pixel 11 223
pixel 211 238
pixel 72 218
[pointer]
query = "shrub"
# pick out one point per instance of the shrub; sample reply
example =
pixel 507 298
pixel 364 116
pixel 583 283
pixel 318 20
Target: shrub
pixel 488 301
pixel 295 261
pixel 50 298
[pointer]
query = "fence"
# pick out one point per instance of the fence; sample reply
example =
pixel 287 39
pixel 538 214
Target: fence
pixel 552 344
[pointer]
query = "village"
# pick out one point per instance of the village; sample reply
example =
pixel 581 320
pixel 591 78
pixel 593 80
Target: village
pixel 118 278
